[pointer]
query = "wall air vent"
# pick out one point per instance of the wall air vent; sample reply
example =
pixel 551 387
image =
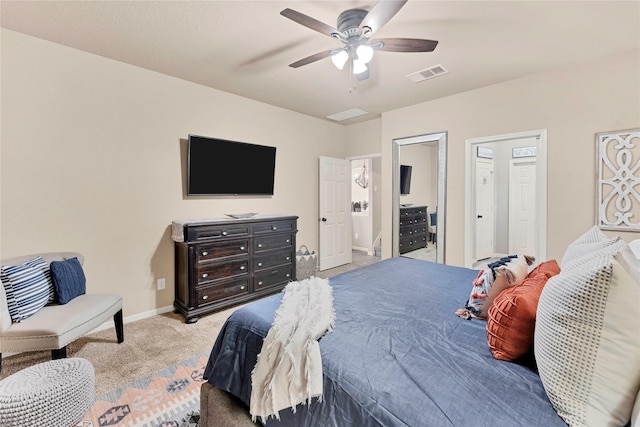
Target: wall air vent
pixel 428 73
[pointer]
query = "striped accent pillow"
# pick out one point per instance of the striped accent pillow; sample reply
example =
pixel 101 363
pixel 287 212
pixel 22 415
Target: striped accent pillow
pixel 28 287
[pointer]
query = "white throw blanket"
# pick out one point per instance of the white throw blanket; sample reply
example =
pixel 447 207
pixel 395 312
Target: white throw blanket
pixel 289 366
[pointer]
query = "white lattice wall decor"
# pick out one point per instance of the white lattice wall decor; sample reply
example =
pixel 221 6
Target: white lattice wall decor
pixel 618 181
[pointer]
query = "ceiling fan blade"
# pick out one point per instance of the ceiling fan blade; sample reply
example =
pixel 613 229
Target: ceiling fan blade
pixel 406 45
pixel 313 58
pixel 379 15
pixel 310 22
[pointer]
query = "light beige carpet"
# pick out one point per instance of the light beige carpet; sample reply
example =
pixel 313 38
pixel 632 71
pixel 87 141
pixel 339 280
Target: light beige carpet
pixel 149 346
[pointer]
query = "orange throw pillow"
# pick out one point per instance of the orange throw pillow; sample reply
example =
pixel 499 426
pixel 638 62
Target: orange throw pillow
pixel 512 316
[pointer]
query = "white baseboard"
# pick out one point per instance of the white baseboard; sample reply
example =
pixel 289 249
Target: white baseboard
pixel 144 315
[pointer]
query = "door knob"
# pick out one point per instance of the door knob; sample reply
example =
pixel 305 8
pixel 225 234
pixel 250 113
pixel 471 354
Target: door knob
pixel 479 216
pixel 324 219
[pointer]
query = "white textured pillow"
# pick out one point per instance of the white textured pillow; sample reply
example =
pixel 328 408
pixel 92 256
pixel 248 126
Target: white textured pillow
pixel 635 414
pixel 635 248
pixel 592 241
pixel 587 339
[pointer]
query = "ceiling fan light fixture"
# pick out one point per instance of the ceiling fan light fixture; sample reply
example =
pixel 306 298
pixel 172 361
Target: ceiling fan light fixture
pixel 359 66
pixel 339 59
pixel 365 53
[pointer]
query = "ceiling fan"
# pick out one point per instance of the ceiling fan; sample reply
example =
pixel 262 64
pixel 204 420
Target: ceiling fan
pixel 355 29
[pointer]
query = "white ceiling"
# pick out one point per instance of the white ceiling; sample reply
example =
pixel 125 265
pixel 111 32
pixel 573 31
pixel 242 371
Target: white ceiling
pixel 244 47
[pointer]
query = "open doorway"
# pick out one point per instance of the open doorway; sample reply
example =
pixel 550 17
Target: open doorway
pixel 505 197
pixel 364 195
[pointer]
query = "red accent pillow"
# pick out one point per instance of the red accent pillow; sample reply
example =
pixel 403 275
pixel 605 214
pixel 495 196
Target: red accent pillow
pixel 512 316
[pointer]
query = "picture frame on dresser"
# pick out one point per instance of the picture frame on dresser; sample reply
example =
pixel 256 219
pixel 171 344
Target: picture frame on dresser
pixel 224 262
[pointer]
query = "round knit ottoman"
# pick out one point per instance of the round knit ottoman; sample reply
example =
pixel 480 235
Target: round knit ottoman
pixel 55 393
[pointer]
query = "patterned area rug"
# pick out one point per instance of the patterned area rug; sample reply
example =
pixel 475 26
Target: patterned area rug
pixel 168 398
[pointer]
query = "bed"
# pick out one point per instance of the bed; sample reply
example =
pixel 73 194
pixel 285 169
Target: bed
pixel 398 355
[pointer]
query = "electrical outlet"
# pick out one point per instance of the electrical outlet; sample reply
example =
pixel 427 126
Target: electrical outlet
pixel 161 284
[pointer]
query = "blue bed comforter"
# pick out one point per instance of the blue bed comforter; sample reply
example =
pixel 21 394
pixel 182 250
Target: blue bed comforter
pixel 398 356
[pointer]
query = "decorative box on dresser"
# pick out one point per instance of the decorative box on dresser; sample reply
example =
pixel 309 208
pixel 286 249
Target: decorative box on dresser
pixel 413 228
pixel 224 262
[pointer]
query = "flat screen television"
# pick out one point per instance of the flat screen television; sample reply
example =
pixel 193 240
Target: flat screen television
pixel 405 179
pixel 218 167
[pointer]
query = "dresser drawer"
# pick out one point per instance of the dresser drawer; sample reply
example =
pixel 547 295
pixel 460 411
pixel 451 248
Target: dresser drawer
pixel 419 229
pixel 406 232
pixel 216 271
pixel 406 221
pixel 274 227
pixel 209 232
pixel 215 293
pixel 412 211
pixel 420 219
pixel 272 277
pixel 422 210
pixel 266 243
pixel 224 248
pixel 272 259
pixel 419 241
pixel 405 243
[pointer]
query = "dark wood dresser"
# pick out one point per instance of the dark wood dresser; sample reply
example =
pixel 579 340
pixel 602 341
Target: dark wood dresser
pixel 222 263
pixel 413 228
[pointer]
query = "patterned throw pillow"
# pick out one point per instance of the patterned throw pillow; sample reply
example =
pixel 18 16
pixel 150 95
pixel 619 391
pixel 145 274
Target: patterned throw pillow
pixel 28 287
pixel 587 338
pixel 516 271
pixel 512 316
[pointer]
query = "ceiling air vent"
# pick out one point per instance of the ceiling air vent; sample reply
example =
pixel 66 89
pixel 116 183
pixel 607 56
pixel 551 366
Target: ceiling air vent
pixel 349 114
pixel 428 73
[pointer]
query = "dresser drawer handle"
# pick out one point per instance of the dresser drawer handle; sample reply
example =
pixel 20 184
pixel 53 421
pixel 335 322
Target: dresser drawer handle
pixel 242 248
pixel 288 275
pixel 260 283
pixel 224 233
pixel 259 264
pixel 259 245
pixel 205 253
pixel 274 228
pixel 288 241
pixel 242 267
pixel 205 275
pixel 288 258
pixel 242 287
pixel 205 296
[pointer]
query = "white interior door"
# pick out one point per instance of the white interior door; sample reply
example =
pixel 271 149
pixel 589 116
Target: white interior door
pixel 484 208
pixel 522 207
pixel 335 212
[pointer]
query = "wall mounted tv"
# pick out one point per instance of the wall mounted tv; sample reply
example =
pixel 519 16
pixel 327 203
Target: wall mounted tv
pixel 217 167
pixel 405 179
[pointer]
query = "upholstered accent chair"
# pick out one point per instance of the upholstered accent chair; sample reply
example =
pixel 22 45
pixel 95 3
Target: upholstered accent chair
pixel 55 325
pixel 431 226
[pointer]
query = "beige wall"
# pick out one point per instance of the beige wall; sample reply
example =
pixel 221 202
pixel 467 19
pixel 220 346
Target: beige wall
pixel 364 138
pixel 91 162
pixel 423 178
pixel 573 104
pixel 91 155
